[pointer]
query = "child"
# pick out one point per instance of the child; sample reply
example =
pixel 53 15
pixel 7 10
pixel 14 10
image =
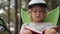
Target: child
pixel 37 12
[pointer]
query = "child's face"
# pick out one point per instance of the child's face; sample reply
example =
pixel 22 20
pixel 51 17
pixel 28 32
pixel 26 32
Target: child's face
pixel 38 13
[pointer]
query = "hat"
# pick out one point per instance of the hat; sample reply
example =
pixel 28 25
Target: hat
pixel 37 2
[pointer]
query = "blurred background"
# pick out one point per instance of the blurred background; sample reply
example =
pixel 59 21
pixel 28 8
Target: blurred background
pixel 10 12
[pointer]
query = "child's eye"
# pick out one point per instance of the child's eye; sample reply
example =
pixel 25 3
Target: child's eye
pixel 35 11
pixel 42 11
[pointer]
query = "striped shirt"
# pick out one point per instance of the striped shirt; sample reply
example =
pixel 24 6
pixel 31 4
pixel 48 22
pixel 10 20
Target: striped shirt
pixel 39 27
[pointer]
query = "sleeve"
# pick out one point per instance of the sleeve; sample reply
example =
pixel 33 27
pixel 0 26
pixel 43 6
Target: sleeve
pixel 50 26
pixel 22 28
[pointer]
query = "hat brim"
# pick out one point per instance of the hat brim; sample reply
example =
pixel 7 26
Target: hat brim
pixel 39 4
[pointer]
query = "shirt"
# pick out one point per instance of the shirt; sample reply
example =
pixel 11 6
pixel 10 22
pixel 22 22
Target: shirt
pixel 39 27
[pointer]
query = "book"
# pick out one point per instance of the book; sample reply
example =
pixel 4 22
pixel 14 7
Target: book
pixel 33 30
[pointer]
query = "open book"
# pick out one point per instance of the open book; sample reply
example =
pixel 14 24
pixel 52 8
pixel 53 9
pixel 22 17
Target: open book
pixel 33 30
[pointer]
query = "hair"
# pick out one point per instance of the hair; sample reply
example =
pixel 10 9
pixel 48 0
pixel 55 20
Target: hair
pixel 29 11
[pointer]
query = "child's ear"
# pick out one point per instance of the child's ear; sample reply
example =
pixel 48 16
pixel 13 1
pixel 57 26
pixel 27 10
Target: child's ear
pixel 45 15
pixel 29 11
